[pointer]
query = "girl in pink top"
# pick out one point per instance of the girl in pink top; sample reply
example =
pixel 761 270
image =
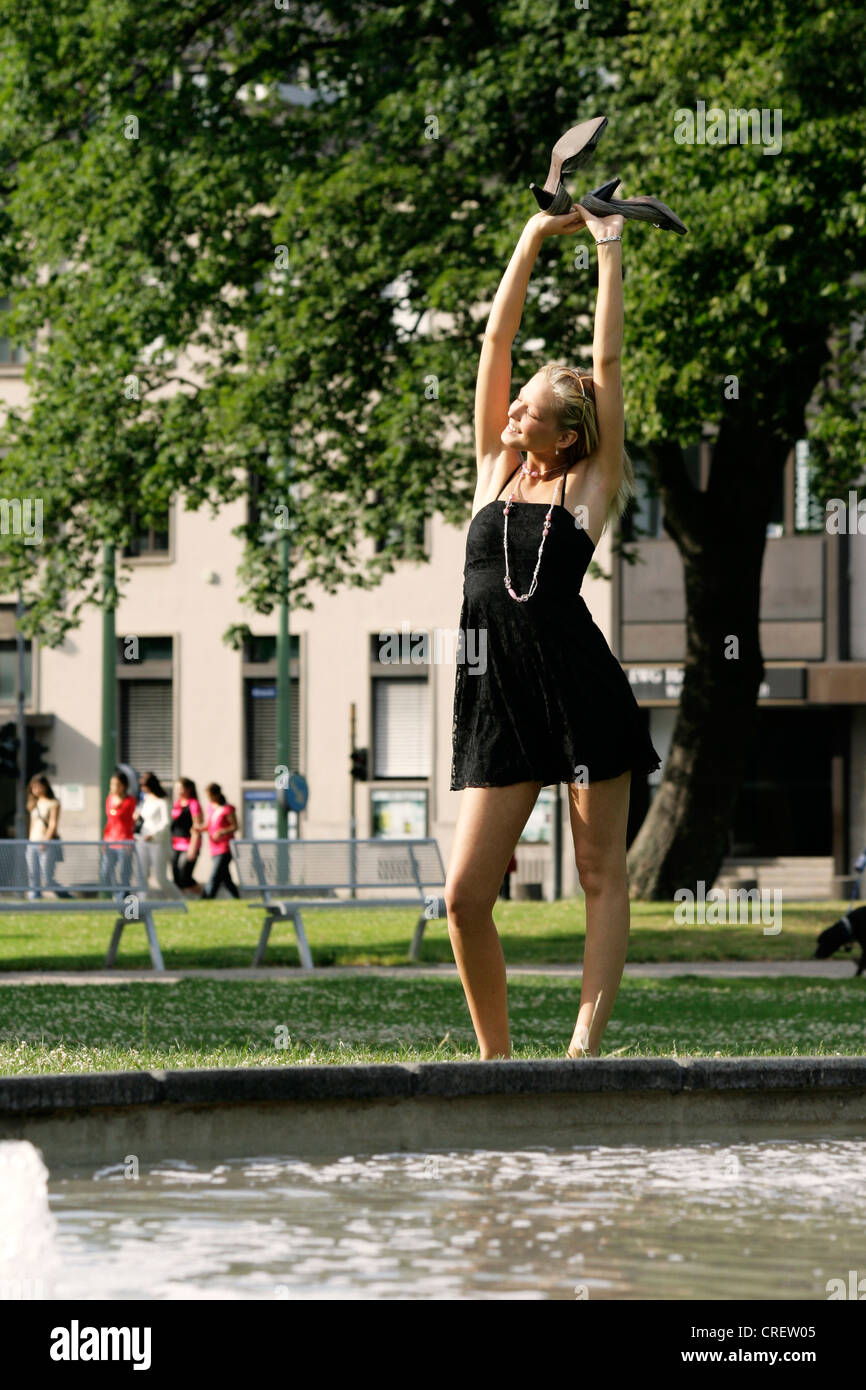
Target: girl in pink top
pixel 221 826
pixel 187 824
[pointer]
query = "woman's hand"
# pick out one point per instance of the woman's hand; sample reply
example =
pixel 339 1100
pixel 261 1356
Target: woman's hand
pixel 570 222
pixel 566 224
pixel 603 226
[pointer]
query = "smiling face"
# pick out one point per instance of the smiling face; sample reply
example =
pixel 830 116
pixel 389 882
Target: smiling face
pixel 532 424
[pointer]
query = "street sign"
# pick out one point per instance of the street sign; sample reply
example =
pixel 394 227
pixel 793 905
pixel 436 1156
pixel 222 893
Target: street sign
pixel 297 792
pixel 655 684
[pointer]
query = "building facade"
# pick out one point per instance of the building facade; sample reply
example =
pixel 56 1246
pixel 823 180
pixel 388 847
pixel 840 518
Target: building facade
pixel 375 669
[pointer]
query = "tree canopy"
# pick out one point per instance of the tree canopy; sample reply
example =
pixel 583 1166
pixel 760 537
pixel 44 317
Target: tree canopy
pixel 292 191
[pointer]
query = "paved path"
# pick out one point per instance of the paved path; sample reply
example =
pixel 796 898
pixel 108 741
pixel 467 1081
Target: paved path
pixel 735 969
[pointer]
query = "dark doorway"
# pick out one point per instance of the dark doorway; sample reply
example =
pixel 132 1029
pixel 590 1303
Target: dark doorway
pixel 785 803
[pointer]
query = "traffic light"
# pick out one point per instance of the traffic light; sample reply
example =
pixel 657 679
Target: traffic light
pixel 9 750
pixel 34 755
pixel 359 764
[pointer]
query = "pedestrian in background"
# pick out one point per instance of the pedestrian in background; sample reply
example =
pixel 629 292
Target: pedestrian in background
pixel 119 827
pixel 154 834
pixel 45 848
pixel 187 824
pixel 221 827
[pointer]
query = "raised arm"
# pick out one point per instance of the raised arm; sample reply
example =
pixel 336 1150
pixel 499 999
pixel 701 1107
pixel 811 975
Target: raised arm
pixel 607 352
pixel 493 383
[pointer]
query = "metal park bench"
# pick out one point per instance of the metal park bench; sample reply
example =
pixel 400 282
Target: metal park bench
pixel 293 875
pixel 76 871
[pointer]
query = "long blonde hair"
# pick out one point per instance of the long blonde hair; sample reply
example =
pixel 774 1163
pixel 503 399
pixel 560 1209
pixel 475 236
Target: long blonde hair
pixel 576 411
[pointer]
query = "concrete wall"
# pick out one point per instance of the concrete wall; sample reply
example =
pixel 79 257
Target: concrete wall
pixel 318 1111
pixel 161 598
pixel 792 601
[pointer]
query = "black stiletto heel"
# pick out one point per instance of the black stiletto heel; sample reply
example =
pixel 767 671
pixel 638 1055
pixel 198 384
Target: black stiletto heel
pixel 571 151
pixel 602 194
pixel 641 209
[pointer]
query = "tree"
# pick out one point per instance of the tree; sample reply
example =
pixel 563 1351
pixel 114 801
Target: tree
pixel 759 346
pixel 174 200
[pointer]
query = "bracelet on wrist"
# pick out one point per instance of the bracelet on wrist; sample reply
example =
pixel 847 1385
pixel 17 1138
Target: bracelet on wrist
pixel 602 239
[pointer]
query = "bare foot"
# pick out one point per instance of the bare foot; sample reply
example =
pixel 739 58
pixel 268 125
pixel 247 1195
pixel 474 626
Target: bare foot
pixel 578 1047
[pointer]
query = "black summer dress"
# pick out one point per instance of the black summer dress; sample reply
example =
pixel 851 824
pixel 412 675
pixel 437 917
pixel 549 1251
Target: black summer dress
pixel 539 696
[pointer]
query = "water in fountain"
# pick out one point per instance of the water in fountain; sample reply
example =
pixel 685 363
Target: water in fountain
pixel 28 1230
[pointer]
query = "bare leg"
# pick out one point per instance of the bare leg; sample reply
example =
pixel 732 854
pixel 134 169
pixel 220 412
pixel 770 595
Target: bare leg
pixel 599 816
pixel 489 823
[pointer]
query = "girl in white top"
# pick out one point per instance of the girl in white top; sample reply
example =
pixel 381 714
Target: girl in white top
pixel 154 834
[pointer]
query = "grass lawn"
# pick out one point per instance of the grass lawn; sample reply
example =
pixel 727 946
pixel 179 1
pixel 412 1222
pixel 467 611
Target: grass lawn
pixel 209 1023
pixel 225 933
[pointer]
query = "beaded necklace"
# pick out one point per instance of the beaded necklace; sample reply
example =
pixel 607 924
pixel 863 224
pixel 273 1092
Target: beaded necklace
pixel 522 598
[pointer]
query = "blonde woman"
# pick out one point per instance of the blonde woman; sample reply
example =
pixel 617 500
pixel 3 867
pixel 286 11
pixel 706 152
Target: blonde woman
pixel 552 704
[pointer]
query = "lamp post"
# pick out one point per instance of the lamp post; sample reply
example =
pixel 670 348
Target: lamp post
pixel 20 725
pixel 108 739
pixel 284 694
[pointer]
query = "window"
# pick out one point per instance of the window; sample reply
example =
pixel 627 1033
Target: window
pixel 145 672
pixel 260 815
pixel 9 659
pixel 401 727
pixel 148 540
pixel 642 519
pixel 259 673
pixel 399 815
pixel 10 354
pixel 259 650
pixel 147 727
pixel 8 673
pixel 135 650
pixel 260 724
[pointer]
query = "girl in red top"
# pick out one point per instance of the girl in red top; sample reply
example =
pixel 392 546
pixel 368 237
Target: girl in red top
pixel 119 818
pixel 221 826
pixel 119 809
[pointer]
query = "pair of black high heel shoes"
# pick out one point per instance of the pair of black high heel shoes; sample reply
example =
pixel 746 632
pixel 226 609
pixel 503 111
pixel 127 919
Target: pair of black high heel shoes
pixel 574 150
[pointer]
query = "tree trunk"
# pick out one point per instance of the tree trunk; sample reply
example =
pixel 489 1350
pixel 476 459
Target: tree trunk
pixel 721 537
